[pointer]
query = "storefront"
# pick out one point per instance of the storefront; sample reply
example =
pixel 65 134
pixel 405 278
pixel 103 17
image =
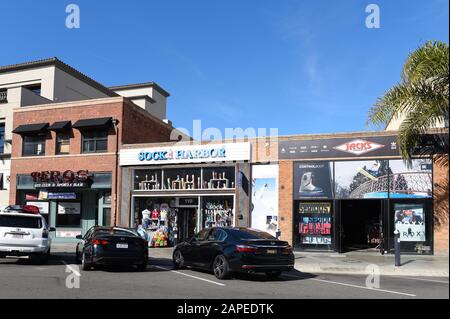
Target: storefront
pixel 352 193
pixel 72 202
pixel 176 191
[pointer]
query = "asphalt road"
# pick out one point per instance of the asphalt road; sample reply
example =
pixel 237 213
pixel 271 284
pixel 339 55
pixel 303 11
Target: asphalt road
pixel 24 280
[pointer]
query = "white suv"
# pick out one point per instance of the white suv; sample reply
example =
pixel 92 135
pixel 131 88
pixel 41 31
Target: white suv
pixel 24 232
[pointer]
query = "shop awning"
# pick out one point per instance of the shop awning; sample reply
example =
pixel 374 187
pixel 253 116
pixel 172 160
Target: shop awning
pixel 93 123
pixel 60 126
pixel 31 128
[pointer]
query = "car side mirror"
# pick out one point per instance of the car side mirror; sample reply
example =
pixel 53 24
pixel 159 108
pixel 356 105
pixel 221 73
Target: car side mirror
pixel 52 229
pixel 79 237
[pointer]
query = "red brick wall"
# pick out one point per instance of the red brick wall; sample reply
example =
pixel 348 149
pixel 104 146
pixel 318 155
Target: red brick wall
pixel 441 209
pixel 138 127
pixel 103 162
pixel 135 126
pixel 285 201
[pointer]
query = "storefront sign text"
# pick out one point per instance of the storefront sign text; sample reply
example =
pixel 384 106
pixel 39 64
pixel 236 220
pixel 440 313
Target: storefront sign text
pixel 57 179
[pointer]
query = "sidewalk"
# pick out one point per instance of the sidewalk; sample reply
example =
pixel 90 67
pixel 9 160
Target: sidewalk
pixel 329 262
pixel 357 263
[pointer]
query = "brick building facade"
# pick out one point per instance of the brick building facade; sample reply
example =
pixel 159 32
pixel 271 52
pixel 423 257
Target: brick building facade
pixel 82 151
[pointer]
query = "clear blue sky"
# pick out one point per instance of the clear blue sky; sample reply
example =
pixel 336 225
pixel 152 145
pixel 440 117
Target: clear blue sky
pixel 300 66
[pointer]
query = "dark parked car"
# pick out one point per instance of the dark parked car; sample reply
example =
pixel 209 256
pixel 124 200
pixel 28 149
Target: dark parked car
pixel 226 250
pixel 112 246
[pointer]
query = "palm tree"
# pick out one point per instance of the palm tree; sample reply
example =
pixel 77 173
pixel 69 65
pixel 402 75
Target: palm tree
pixel 421 98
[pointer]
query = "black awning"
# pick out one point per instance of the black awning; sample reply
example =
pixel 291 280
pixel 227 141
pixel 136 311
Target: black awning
pixel 93 123
pixel 60 126
pixel 31 128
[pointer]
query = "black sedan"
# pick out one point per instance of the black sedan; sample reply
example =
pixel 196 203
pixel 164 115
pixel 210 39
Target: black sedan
pixel 230 249
pixel 112 246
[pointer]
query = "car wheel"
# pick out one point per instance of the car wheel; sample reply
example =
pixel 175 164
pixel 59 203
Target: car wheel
pixel 85 264
pixel 221 267
pixel 273 274
pixel 143 266
pixel 178 259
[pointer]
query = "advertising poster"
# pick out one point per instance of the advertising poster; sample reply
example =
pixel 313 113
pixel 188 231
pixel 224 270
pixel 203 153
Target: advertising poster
pixel 264 207
pixel 361 179
pixel 312 180
pixel 43 206
pixel 314 223
pixel 410 221
pixel 414 182
pixel 69 208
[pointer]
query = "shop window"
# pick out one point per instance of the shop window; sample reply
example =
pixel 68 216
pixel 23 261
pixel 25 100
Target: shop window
pixel 33 145
pixel 94 141
pixel 218 177
pixel 217 211
pixel 313 225
pixel 107 217
pixel 2 138
pixel 62 143
pixel 148 180
pixel 68 214
pixel 188 178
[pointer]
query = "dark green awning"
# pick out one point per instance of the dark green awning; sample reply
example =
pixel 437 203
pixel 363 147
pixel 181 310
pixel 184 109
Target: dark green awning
pixel 60 126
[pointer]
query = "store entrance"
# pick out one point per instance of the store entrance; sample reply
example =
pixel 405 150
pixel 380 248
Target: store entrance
pixel 187 222
pixel 360 224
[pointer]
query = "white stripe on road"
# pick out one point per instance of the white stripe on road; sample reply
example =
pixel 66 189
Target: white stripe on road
pixel 195 277
pixel 354 286
pixel 421 279
pixel 72 269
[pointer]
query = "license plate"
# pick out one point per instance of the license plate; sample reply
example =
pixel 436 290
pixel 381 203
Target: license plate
pixel 271 251
pixel 17 236
pixel 121 245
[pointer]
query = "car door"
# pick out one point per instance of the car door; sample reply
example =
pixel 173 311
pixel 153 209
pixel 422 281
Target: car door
pixel 212 246
pixel 196 246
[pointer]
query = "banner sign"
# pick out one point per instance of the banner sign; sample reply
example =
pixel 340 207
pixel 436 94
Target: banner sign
pixel 339 147
pixel 312 180
pixel 264 205
pixel 354 147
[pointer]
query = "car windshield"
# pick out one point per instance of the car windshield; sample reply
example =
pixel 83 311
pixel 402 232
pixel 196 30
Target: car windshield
pixel 250 234
pixel 20 221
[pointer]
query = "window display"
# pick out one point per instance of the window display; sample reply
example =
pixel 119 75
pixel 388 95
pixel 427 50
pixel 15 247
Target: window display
pixel 410 221
pixel 313 224
pixel 362 179
pixel 414 182
pixel 159 220
pixel 312 180
pixel 217 211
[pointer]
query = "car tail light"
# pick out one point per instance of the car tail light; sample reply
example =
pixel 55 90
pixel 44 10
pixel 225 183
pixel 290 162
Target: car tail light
pixel 100 242
pixel 287 250
pixel 45 233
pixel 246 249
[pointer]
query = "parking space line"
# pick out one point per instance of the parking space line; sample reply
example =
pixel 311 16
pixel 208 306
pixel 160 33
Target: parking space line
pixel 354 286
pixel 191 276
pixel 422 279
pixel 73 270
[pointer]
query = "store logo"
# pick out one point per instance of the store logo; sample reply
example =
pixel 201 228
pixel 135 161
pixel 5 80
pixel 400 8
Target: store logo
pixel 358 147
pixel 182 154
